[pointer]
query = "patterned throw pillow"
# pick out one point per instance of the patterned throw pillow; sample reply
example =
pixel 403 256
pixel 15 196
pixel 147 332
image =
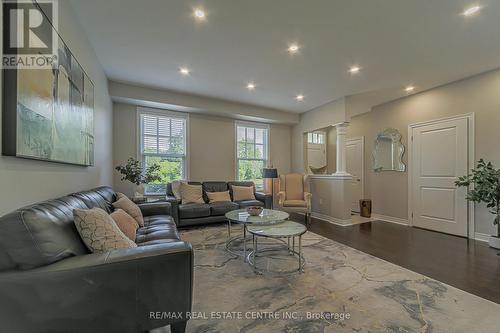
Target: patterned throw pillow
pixel 242 193
pixel 129 207
pixel 99 232
pixel 218 196
pixel 191 193
pixel 125 222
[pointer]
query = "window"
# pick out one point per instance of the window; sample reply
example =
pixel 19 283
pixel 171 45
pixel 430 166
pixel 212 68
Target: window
pixel 163 141
pixel 252 151
pixel 318 138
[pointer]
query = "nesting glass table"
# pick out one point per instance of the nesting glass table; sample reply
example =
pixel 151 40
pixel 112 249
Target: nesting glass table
pixel 271 224
pixel 240 216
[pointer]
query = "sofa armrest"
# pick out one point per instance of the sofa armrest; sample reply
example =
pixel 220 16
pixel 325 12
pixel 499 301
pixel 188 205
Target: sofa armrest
pixel 174 203
pixel 266 198
pixel 156 208
pixel 109 292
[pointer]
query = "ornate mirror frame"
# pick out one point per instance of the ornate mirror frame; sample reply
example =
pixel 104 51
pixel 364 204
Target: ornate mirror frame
pixel 397 147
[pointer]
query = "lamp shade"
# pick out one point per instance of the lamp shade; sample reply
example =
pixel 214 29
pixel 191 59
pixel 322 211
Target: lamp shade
pixel 269 173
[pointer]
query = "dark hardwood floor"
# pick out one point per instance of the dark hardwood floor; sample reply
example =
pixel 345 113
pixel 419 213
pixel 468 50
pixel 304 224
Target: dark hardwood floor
pixel 465 264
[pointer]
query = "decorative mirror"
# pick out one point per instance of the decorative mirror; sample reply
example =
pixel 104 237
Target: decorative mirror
pixel 388 151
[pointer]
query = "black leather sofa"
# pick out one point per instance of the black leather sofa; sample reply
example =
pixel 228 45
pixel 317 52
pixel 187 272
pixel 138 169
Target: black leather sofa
pixel 202 213
pixel 49 282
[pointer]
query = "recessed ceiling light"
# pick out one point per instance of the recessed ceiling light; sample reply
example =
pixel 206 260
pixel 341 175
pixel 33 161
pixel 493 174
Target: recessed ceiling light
pixel 199 14
pixel 184 71
pixel 409 89
pixel 293 48
pixel 251 86
pixel 299 97
pixel 354 69
pixel 471 10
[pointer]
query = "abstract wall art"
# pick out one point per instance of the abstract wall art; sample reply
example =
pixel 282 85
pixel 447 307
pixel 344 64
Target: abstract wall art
pixel 48 114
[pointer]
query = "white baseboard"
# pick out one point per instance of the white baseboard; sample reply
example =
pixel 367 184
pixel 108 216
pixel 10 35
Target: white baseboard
pixel 481 237
pixel 391 219
pixel 331 219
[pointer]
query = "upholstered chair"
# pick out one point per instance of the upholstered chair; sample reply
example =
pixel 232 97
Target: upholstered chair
pixel 294 195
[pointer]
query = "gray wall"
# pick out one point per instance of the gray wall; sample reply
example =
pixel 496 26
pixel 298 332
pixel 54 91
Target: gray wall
pixel 479 94
pixel 211 145
pixel 26 181
pixel 322 117
pixel 176 101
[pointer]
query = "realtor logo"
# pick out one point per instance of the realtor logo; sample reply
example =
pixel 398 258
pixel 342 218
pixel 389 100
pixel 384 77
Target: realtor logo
pixel 30 34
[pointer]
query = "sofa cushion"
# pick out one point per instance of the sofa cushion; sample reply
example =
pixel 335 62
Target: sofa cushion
pixel 158 220
pixel 191 193
pixel 101 197
pixel 125 222
pixel 243 193
pixel 99 232
pixel 239 183
pixel 193 210
pixel 215 186
pixel 165 231
pixel 218 196
pixel 294 203
pixel 157 228
pixel 40 234
pixel 176 188
pixel 221 208
pixel 248 203
pixel 156 242
pixel 129 207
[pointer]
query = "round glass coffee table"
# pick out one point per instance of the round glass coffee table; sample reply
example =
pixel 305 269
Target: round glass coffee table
pixel 287 229
pixel 240 216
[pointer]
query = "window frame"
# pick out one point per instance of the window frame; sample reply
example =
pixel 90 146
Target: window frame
pixel 267 146
pixel 167 114
pixel 317 138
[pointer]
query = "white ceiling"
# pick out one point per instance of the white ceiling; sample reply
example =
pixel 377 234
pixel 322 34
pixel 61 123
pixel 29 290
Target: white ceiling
pixel 421 42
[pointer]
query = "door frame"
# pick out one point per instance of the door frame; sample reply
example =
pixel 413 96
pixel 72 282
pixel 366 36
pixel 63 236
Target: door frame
pixel 470 157
pixel 362 139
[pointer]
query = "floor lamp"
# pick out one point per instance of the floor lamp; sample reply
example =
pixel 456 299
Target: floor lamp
pixel 270 173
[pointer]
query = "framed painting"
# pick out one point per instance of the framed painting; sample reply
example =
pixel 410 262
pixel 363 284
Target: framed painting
pixel 48 113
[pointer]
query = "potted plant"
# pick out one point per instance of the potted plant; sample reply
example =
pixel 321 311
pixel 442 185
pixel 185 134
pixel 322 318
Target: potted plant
pixel 136 174
pixel 486 189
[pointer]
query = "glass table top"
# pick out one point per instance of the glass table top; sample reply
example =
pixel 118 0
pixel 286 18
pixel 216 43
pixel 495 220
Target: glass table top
pixel 268 216
pixel 285 229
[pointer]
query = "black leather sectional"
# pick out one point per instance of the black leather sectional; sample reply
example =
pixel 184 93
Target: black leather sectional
pixel 50 282
pixel 203 213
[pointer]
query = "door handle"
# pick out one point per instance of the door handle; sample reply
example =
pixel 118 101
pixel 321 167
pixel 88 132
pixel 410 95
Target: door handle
pixel 358 180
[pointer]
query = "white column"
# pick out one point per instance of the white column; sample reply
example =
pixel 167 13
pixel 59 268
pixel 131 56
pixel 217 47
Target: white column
pixel 341 149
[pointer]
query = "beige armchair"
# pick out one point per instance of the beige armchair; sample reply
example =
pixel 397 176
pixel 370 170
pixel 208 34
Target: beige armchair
pixel 294 195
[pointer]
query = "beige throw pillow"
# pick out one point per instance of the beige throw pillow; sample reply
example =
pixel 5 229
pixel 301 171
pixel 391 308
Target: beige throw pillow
pixel 176 188
pixel 243 193
pixel 191 193
pixel 125 222
pixel 218 196
pixel 99 232
pixel 129 207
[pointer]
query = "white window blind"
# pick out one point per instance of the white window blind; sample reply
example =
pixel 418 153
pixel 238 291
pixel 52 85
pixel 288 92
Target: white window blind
pixel 163 141
pixel 252 151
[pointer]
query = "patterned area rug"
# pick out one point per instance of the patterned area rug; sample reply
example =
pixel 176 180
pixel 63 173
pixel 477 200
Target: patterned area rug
pixel 341 290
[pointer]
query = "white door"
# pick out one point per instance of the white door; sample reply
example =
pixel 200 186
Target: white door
pixel 355 159
pixel 439 157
